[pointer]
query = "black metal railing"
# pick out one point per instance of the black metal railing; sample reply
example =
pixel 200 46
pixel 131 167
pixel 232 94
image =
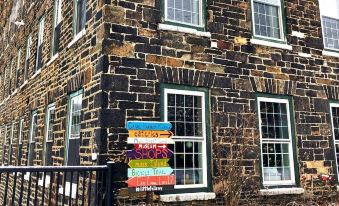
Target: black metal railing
pixel 56 185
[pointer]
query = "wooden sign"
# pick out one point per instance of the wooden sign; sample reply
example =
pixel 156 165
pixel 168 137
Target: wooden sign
pixel 151 188
pixel 139 125
pixel 150 141
pixel 137 172
pixel 150 146
pixel 151 181
pixel 149 154
pixel 150 134
pixel 148 163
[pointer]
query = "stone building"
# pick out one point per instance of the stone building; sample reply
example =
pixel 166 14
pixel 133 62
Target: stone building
pixel 247 84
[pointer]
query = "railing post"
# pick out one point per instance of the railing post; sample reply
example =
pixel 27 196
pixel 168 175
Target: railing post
pixel 109 184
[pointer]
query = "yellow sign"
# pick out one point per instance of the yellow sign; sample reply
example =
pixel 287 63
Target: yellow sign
pixel 149 134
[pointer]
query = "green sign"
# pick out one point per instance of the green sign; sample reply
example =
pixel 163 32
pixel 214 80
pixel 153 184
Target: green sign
pixel 148 163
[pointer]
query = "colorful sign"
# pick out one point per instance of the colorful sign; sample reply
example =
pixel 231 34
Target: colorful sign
pixel 139 125
pixel 150 146
pixel 137 172
pixel 151 188
pixel 149 154
pixel 150 133
pixel 148 163
pixel 151 181
pixel 150 141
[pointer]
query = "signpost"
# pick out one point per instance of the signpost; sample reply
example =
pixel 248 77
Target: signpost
pixel 149 170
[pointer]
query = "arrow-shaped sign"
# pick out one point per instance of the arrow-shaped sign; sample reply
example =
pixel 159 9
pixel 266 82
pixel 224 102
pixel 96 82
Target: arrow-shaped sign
pixel 150 134
pixel 160 171
pixel 149 154
pixel 151 181
pixel 150 146
pixel 150 141
pixel 140 125
pixel 148 163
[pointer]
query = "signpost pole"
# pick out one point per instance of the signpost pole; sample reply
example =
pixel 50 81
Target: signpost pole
pixel 149 198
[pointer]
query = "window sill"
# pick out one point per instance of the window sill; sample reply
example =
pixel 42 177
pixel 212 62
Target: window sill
pixel 36 74
pixel 15 91
pixel 77 37
pixel 168 27
pixel 330 53
pixel 187 197
pixel 282 191
pixel 271 44
pixel 23 85
pixel 52 59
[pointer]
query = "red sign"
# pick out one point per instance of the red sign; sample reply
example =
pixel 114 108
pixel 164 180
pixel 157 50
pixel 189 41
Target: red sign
pixel 151 181
pixel 150 146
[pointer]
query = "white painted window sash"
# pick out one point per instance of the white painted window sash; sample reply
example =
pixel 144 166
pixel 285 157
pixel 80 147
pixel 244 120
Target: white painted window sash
pixel 335 142
pixel 177 138
pixel 201 18
pixel 281 26
pixel 275 141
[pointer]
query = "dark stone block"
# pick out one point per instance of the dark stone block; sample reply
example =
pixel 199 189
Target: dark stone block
pixel 111 118
pixel 114 82
pixel 132 62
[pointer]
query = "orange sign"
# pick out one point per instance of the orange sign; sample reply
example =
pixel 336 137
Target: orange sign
pixel 149 134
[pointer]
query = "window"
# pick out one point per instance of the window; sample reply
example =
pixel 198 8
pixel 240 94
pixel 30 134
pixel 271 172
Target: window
pixel 10 150
pixel 56 27
pixel 335 130
pixel 267 19
pixel 21 131
pixel 79 15
pixel 38 64
pixel 276 142
pixel 31 142
pixel 188 12
pixel 10 88
pixel 28 55
pixel 49 135
pixel 330 23
pixel 186 111
pixel 4 143
pixel 17 73
pixel 73 131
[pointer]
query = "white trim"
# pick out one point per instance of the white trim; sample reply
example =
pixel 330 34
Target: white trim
pixel 203 141
pixel 333 137
pixel 201 19
pixel 282 191
pixel 77 37
pixel 47 180
pixel 298 34
pixel 271 44
pixel 288 141
pixel 281 23
pixel 50 107
pixel 306 55
pixel 330 53
pixel 36 74
pixel 168 27
pixel 40 41
pixel 24 84
pixel 188 197
pixel 52 59
pixel 67 189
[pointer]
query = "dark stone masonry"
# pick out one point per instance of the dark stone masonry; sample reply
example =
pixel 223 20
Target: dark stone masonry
pixel 250 86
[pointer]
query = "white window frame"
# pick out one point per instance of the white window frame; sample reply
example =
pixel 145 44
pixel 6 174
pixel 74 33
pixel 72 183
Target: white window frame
pixel 201 16
pixel 57 18
pixel 41 29
pixel 50 107
pixel 281 141
pixel 31 139
pixel 75 19
pixel 280 17
pixel 333 137
pixel 28 55
pixel 4 145
pixel 336 17
pixel 193 138
pixel 10 149
pixel 21 129
pixel 18 68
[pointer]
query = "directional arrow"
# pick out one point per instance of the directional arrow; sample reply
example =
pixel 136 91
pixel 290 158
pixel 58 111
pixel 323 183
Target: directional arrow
pixel 150 134
pixel 149 154
pixel 143 125
pixel 148 163
pixel 160 171
pixel 150 146
pixel 151 181
pixel 150 141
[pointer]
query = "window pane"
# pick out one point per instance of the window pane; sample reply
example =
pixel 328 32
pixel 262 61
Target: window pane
pixel 266 20
pixel 184 11
pixel 331 30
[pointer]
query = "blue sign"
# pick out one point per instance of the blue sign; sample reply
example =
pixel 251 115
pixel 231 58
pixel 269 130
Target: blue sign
pixel 138 125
